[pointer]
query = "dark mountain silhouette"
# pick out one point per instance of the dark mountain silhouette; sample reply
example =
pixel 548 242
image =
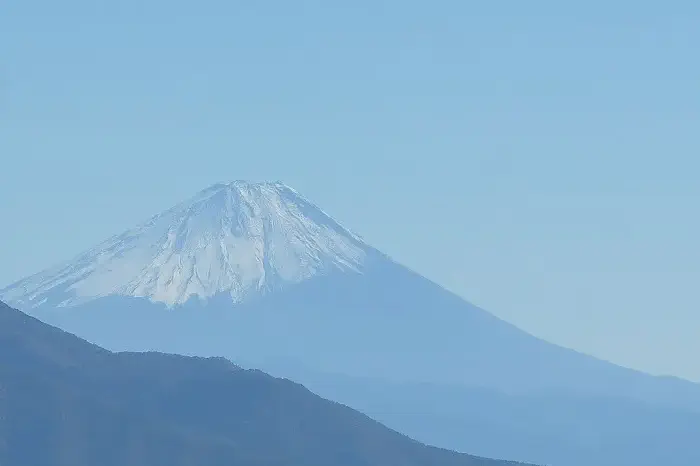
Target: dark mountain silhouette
pixel 64 401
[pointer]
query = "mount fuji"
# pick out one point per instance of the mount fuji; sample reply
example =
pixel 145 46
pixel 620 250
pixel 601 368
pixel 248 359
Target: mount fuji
pixel 257 273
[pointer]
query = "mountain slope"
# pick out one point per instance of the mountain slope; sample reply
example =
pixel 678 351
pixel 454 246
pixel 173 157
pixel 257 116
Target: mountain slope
pixel 483 386
pixel 64 401
pixel 386 323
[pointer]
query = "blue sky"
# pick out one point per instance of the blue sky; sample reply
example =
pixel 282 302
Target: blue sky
pixel 538 158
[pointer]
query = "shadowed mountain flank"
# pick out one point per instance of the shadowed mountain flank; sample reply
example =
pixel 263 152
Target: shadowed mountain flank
pixel 64 401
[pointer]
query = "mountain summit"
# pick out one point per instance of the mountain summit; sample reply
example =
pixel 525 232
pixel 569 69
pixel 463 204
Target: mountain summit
pixel 236 238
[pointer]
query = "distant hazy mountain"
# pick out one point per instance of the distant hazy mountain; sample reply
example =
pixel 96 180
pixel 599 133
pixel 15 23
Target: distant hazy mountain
pixel 66 402
pixel 550 427
pixel 257 273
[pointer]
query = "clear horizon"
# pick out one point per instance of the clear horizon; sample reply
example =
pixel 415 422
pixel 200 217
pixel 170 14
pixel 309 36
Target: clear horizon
pixel 546 174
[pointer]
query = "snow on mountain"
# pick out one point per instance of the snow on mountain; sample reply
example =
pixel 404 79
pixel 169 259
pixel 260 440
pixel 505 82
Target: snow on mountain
pixel 238 238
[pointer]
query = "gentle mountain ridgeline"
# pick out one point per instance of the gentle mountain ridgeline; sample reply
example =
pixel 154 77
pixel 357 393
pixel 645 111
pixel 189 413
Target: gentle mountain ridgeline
pixel 64 401
pixel 258 274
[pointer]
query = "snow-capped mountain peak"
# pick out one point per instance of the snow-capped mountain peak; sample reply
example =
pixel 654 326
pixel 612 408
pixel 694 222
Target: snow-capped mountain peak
pixel 239 238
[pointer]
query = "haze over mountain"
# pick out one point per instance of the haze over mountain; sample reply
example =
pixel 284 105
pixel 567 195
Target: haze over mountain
pixel 257 273
pixel 66 402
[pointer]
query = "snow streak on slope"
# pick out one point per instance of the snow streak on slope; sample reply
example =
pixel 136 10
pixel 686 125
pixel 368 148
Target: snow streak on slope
pixel 239 238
